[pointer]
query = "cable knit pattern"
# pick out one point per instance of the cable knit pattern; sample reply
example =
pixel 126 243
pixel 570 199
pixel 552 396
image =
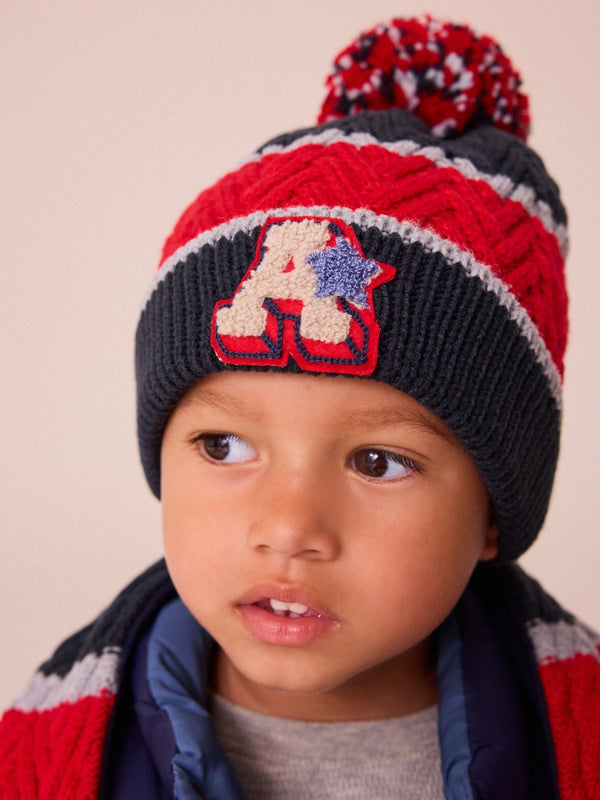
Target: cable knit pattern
pixel 568 656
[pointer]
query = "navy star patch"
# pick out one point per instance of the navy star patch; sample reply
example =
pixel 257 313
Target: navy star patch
pixel 342 271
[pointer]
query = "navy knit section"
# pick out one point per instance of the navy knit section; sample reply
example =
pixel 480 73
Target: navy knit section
pixel 118 625
pixel 448 343
pixel 520 594
pixel 490 150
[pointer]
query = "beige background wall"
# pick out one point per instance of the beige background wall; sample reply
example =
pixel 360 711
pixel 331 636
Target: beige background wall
pixel 114 115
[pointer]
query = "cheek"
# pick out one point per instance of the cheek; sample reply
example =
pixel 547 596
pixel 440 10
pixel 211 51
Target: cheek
pixel 420 560
pixel 196 546
pixel 414 597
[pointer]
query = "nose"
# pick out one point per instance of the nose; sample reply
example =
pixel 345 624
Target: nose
pixel 294 516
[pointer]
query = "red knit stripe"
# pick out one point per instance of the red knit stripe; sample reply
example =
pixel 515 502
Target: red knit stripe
pixel 56 754
pixel 469 213
pixel 572 689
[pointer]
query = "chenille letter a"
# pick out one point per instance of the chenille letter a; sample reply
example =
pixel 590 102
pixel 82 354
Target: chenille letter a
pixel 284 273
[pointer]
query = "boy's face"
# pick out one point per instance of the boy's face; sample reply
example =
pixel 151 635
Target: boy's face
pixel 320 529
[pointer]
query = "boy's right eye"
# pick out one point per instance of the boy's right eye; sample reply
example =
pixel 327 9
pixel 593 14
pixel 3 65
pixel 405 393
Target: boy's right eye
pixel 225 448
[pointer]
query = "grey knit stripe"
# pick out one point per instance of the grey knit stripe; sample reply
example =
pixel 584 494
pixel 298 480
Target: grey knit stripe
pixel 92 676
pixel 501 184
pixel 557 641
pixel 410 234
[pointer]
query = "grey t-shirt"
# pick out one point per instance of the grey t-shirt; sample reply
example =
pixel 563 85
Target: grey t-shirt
pixel 284 759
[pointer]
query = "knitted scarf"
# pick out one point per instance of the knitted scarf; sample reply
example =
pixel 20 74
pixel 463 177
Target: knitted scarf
pixel 56 738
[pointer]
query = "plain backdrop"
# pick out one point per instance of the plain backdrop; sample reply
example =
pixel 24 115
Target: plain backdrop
pixel 114 115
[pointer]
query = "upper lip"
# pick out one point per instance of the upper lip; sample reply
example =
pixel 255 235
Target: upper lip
pixel 286 593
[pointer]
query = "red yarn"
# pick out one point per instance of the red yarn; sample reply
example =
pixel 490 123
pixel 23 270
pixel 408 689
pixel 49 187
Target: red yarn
pixel 446 74
pixel 572 689
pixel 66 763
pixel 469 213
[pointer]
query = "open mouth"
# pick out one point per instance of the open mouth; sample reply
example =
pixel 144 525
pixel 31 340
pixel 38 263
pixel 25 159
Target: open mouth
pixel 285 615
pixel 291 610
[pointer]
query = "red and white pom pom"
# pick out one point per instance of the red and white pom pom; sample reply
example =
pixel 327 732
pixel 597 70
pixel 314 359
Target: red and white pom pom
pixel 449 76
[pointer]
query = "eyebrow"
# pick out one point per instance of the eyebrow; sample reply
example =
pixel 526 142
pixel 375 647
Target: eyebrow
pixel 400 416
pixel 226 402
pixel 363 418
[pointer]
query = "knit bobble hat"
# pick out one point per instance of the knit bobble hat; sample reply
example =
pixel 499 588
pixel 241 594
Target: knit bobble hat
pixel 411 237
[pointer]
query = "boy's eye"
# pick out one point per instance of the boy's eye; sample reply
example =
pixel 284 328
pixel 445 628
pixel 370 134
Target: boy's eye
pixel 382 464
pixel 225 448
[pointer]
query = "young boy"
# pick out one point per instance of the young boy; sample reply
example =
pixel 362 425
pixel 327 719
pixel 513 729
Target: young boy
pixel 349 386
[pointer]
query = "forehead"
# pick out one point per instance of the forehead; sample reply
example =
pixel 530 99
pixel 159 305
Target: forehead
pixel 351 402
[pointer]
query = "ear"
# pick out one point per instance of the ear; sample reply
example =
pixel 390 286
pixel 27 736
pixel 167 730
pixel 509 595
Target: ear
pixel 490 544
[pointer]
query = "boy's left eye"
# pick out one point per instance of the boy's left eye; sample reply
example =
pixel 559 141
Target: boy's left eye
pixel 382 464
pixel 225 448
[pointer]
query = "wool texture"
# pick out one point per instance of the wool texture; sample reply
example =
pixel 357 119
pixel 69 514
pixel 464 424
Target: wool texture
pixel 53 738
pixel 413 238
pixel 59 738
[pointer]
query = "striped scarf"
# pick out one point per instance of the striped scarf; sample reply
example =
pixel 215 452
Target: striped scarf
pixel 55 740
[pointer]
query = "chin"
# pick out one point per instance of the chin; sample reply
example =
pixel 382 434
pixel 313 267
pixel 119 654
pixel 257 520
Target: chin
pixel 291 677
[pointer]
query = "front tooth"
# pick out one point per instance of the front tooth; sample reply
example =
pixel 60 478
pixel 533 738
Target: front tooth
pixel 293 608
pixel 298 608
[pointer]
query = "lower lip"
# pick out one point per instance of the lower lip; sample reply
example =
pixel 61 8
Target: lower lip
pixel 287 631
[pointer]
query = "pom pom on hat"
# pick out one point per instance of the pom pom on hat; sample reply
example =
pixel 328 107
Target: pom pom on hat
pixel 446 74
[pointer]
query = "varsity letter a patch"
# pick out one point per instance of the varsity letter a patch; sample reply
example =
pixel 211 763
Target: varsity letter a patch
pixel 308 294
